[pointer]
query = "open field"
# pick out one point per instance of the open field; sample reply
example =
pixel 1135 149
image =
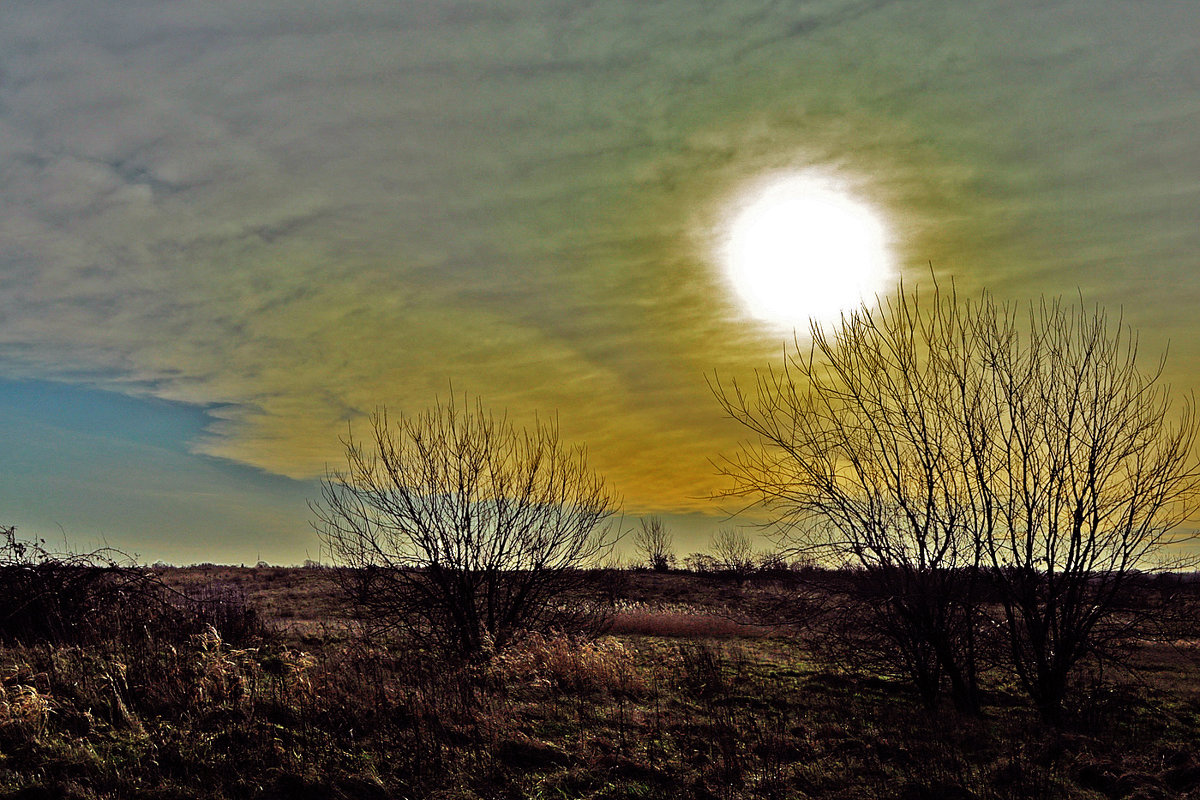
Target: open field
pixel 692 694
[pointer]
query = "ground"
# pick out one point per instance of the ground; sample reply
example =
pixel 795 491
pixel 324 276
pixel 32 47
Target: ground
pixel 693 693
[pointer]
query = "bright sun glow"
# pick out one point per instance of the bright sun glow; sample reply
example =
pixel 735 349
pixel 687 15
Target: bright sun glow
pixel 800 246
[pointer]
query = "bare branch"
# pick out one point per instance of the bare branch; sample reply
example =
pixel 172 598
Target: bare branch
pixel 453 524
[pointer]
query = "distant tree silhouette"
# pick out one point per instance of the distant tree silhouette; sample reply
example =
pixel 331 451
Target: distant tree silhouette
pixel 733 554
pixel 653 543
pixel 455 526
pixel 949 449
pixel 700 563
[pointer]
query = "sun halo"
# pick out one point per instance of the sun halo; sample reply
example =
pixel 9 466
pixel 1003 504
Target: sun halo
pixel 800 246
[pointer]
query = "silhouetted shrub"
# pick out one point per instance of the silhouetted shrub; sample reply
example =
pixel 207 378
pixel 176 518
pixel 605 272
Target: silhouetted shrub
pixel 103 597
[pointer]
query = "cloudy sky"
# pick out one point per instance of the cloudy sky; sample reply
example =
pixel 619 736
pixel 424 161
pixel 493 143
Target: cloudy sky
pixel 230 229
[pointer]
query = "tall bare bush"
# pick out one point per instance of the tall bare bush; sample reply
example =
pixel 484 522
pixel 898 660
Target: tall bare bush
pixel 733 552
pixel 454 525
pixel 1085 470
pixel 950 449
pixel 653 543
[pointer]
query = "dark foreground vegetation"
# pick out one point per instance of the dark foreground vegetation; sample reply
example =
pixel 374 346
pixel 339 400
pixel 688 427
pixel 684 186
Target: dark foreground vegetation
pixel 214 682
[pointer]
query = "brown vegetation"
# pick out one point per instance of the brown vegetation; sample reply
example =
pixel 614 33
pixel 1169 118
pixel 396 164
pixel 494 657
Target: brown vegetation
pixel 702 691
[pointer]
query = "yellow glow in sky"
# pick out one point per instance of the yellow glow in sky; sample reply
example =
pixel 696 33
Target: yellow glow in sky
pixel 280 215
pixel 800 246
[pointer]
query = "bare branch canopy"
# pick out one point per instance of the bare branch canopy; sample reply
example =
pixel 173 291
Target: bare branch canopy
pixel 950 447
pixel 453 524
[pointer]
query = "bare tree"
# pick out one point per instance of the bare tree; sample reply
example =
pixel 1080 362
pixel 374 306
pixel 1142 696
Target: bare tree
pixel 859 456
pixel 453 524
pixel 940 445
pixel 653 542
pixel 733 553
pixel 1085 471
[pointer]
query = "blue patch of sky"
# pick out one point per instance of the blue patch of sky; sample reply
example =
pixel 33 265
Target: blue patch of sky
pixel 96 412
pixel 101 468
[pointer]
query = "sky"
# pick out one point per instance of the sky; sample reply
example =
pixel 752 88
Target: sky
pixel 230 230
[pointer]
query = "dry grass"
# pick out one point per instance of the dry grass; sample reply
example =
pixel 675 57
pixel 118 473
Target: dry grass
pixel 683 621
pixel 298 598
pixel 682 700
pixel 22 704
pixel 564 663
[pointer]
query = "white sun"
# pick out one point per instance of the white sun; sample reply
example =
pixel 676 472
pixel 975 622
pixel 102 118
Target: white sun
pixel 799 247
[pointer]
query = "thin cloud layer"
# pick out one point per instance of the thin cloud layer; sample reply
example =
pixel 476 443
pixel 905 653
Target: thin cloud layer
pixel 297 212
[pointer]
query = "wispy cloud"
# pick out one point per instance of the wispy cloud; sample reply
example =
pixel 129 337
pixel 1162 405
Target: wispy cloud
pixel 300 211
